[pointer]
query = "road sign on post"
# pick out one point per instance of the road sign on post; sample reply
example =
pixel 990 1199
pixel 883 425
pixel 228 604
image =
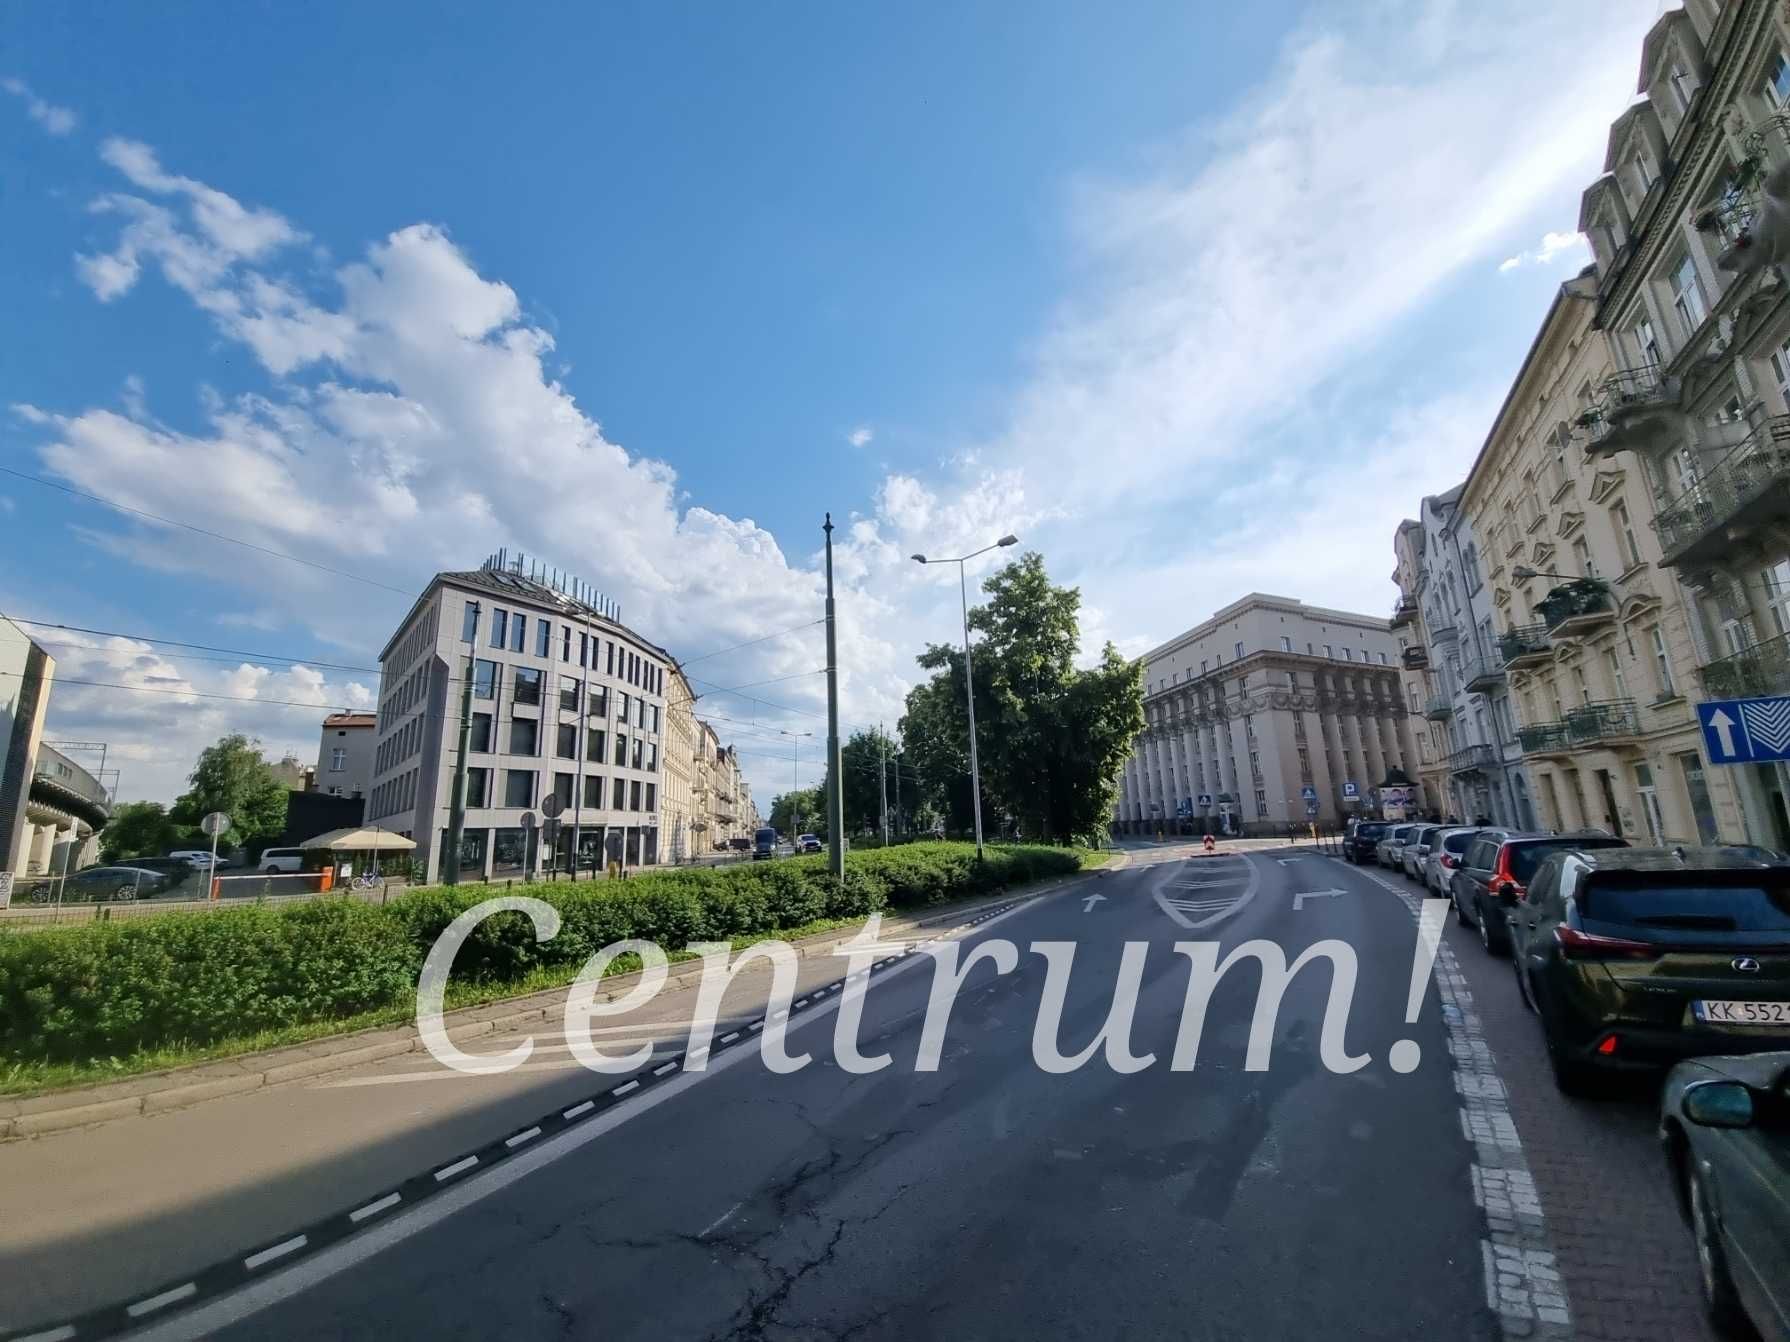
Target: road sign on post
pixel 1351 791
pixel 1745 731
pixel 1205 800
pixel 214 824
pixel 1308 792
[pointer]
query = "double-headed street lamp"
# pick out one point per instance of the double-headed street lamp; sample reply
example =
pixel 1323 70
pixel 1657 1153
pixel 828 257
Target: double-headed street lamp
pixel 969 684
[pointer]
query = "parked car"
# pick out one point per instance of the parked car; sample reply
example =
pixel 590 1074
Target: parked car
pixel 274 861
pixel 1725 1127
pixel 99 885
pixel 1416 849
pixel 1638 957
pixel 1496 869
pixel 1447 847
pixel 175 871
pixel 764 843
pixel 1387 853
pixel 808 843
pixel 1361 838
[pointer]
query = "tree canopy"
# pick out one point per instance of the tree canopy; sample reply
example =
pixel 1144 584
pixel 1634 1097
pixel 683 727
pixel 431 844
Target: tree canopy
pixel 1051 737
pixel 138 829
pixel 233 777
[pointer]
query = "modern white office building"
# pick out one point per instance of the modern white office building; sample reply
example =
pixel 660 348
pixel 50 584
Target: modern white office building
pixel 568 707
pixel 1270 713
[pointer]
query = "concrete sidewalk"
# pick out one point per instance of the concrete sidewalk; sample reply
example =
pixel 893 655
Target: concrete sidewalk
pixel 176 1088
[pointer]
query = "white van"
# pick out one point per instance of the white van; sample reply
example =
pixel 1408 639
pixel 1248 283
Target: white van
pixel 276 860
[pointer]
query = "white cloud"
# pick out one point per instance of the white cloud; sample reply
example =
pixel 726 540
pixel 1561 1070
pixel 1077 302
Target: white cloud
pixel 1571 245
pixel 56 120
pixel 861 436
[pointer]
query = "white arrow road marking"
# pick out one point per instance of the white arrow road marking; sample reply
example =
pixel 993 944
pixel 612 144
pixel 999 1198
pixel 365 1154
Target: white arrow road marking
pixel 1087 905
pixel 1206 912
pixel 1284 860
pixel 1300 898
pixel 1724 730
pixel 1206 885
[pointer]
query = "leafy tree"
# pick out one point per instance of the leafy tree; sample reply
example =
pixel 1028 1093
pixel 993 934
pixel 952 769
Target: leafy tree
pixel 1052 738
pixel 862 758
pixel 233 777
pixel 803 811
pixel 137 829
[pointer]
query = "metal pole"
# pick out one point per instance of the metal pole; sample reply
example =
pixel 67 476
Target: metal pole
pixel 882 779
pixel 795 795
pixel 211 876
pixel 969 686
pixel 457 811
pixel 898 794
pixel 835 784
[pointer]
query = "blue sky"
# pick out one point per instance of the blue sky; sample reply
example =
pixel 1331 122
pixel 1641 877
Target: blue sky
pixel 1198 299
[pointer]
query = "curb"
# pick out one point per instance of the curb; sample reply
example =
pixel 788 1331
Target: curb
pixel 177 1088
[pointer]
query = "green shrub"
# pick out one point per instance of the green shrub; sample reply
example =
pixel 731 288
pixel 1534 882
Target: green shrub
pixel 110 988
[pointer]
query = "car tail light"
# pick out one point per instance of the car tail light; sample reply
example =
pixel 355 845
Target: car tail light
pixel 1607 1045
pixel 1577 945
pixel 1503 883
pixel 1449 860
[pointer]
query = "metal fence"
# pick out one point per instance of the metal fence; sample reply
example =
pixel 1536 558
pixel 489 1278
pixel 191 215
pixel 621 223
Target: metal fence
pixel 47 905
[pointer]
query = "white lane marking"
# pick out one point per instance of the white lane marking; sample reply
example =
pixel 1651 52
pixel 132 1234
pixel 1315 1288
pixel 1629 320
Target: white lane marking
pixel 582 1108
pixel 163 1300
pixel 666 1067
pixel 217 1314
pixel 526 1135
pixel 624 1088
pixel 1303 895
pixel 449 1074
pixel 729 1038
pixel 1088 903
pixel 61 1333
pixel 279 1250
pixel 720 1220
pixel 375 1207
pixel 1218 915
pixel 449 1171
pixel 1207 885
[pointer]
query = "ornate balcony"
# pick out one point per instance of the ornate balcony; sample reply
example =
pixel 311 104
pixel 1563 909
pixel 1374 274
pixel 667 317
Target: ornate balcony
pixel 1603 722
pixel 1471 760
pixel 1439 708
pixel 1482 674
pixel 1576 607
pixel 1524 645
pixel 1636 408
pixel 1544 738
pixel 1763 669
pixel 1737 494
pixel 1404 610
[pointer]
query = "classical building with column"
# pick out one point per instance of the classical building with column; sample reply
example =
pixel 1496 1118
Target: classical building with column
pixel 51 808
pixel 1266 710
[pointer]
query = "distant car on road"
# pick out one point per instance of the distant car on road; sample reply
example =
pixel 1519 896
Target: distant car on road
pixel 1387 854
pixel 1725 1126
pixel 1447 847
pixel 99 885
pixel 1638 957
pixel 1416 850
pixel 1495 872
pixel 1361 838
pixel 275 861
pixel 808 843
pixel 764 843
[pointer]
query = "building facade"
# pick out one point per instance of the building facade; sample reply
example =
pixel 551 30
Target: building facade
pixel 567 703
pixel 681 827
pixel 345 754
pixel 1267 710
pixel 1693 418
pixel 1411 631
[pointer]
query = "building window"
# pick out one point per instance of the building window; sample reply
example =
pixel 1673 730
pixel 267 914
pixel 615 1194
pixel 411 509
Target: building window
pixel 478 788
pixel 1662 664
pixel 1620 681
pixel 565 789
pixel 1643 174
pixel 1202 666
pixel 593 792
pixel 1625 532
pixel 484 679
pixel 567 745
pixel 1328 652
pixel 1286 644
pixel 500 627
pixel 610 652
pixel 565 646
pixel 638 747
pixel 652 796
pixel 527 685
pixel 1348 653
pixel 519 633
pixel 1582 549
pixel 568 694
pixel 1777 81
pixel 655 723
pixel 652 758
pixel 525 736
pixel 621 751
pixel 481 733
pixel 1687 296
pixel 599 702
pixel 618 797
pixel 469 620
pixel 621 707
pixel 338 760
pixel 640 713
pixel 1646 343
pixel 634 795
pixel 518 787
pixel 1683 86
pixel 1239 651
pixel 594 741
pixel 1383 661
pixel 543 638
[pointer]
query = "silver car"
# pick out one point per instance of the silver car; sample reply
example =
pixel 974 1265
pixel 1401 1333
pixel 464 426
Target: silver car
pixel 1386 852
pixel 1416 850
pixel 1447 846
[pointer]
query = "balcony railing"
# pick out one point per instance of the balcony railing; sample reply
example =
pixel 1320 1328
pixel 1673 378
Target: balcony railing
pixel 1763 669
pixel 1414 658
pixel 1736 493
pixel 1404 610
pixel 1483 673
pixel 1439 707
pixel 1574 606
pixel 1471 759
pixel 1601 722
pixel 1630 403
pixel 1524 643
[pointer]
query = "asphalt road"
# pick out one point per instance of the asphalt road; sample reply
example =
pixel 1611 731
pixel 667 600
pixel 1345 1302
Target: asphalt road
pixel 988 1199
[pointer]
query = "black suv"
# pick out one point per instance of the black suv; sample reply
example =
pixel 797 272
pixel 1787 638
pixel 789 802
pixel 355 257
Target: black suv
pixel 1361 838
pixel 1641 957
pixel 1496 868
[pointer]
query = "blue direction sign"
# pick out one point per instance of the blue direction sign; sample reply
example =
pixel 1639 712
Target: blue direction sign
pixel 1745 731
pixel 1309 793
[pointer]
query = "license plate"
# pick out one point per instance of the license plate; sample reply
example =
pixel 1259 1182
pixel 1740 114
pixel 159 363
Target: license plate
pixel 1742 1013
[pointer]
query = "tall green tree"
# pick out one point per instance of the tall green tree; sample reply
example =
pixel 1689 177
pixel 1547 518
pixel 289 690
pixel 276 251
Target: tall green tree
pixel 867 763
pixel 232 776
pixel 1052 737
pixel 801 811
pixel 137 829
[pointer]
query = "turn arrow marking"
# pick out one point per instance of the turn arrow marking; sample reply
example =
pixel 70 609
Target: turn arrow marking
pixel 1300 898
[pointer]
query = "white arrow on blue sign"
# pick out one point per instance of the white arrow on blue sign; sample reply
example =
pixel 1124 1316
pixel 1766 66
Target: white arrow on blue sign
pixel 1745 731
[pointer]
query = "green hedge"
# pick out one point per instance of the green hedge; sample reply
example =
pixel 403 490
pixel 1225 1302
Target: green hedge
pixel 107 989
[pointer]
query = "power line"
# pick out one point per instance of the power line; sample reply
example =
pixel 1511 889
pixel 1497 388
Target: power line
pixel 176 643
pixel 186 694
pixel 204 531
pixel 751 642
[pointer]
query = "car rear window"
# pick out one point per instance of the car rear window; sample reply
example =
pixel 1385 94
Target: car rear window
pixel 1457 843
pixel 1671 906
pixel 1526 857
pixel 1369 831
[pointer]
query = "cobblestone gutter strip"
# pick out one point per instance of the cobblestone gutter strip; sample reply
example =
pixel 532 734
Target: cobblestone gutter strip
pixel 178 1087
pixel 1522 1277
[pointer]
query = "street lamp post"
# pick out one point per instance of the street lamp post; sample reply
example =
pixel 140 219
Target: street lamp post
pixel 969 683
pixel 795 783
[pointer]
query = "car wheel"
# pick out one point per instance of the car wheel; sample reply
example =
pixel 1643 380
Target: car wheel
pixel 1495 944
pixel 1719 1295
